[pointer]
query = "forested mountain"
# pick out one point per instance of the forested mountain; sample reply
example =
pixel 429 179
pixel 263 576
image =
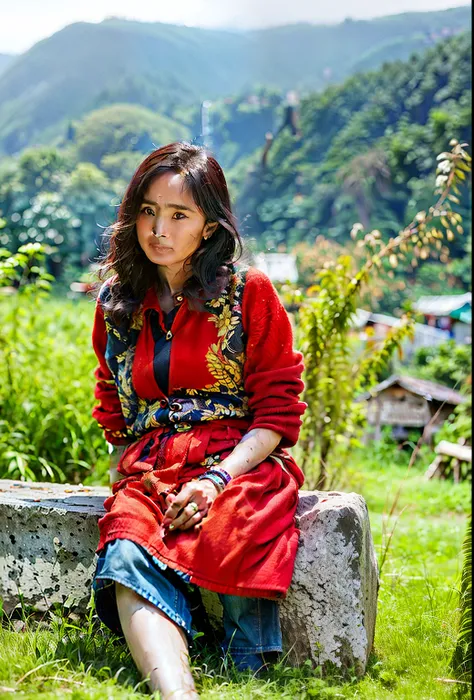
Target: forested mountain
pixel 362 151
pixel 365 150
pixel 166 67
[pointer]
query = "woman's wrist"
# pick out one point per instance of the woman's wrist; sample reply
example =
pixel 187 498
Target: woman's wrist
pixel 221 473
pixel 218 489
pixel 215 479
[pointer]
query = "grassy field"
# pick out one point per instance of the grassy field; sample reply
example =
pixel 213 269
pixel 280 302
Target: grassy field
pixel 50 434
pixel 416 624
pixel 47 362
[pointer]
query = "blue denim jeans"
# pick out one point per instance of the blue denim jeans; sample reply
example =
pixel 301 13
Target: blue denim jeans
pixel 251 625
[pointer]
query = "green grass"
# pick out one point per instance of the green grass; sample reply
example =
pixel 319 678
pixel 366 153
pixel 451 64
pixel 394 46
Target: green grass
pixel 47 432
pixel 415 631
pixel 46 428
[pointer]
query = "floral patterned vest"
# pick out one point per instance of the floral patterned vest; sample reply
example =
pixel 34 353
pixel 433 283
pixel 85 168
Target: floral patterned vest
pixel 224 398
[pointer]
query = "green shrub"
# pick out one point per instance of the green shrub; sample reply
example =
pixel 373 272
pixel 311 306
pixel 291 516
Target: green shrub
pixel 448 363
pixel 46 383
pixel 462 657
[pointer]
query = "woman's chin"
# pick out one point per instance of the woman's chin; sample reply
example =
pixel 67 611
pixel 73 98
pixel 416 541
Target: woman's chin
pixel 159 256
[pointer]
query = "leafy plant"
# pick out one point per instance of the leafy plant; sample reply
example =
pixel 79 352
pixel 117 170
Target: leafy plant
pixel 459 426
pixel 448 363
pixel 46 430
pixel 461 661
pixel 333 378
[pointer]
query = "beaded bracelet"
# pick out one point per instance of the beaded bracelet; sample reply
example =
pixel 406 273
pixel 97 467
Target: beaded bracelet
pixel 216 480
pixel 219 471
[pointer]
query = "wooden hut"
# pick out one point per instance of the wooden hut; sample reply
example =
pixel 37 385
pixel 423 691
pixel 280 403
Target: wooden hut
pixel 406 402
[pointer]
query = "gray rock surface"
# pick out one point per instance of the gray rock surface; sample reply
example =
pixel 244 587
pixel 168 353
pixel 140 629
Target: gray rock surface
pixel 48 537
pixel 331 606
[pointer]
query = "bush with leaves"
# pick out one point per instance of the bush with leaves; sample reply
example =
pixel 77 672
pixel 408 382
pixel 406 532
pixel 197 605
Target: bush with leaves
pixel 461 662
pixel 46 369
pixel 332 378
pixel 458 428
pixel 448 363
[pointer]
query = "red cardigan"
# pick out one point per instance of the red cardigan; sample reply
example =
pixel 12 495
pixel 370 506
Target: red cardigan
pixel 232 368
pixel 272 369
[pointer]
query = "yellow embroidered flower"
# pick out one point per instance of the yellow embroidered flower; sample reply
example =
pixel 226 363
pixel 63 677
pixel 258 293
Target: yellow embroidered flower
pixel 225 322
pixel 215 303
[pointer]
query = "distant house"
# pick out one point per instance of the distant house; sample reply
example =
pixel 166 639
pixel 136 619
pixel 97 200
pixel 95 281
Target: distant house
pixel 406 402
pixel 381 323
pixel 451 313
pixel 280 267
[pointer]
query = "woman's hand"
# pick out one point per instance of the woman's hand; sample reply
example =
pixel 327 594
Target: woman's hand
pixel 181 513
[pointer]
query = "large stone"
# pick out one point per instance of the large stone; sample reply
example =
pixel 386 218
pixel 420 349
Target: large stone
pixel 48 537
pixel 331 606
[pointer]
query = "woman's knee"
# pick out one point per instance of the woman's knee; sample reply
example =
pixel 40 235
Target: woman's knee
pixel 126 596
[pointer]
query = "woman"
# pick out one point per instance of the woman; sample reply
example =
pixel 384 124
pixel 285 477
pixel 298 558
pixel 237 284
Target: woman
pixel 198 387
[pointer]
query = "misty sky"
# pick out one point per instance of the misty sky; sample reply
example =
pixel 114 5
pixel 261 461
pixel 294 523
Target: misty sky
pixel 24 22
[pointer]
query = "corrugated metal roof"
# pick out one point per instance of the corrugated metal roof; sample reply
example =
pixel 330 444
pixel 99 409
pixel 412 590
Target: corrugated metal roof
pixel 421 387
pixel 360 318
pixel 464 314
pixel 442 305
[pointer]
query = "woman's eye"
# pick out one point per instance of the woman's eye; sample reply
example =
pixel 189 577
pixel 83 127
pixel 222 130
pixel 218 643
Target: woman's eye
pixel 150 212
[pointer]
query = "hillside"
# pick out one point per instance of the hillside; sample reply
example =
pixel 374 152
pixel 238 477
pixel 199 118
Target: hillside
pixel 167 67
pixel 365 152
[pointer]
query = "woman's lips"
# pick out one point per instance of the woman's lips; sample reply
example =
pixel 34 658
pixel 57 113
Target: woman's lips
pixel 158 246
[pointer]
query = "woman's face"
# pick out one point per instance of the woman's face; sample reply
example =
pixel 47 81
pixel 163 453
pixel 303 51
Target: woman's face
pixel 168 211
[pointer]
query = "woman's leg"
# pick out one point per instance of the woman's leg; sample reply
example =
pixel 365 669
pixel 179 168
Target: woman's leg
pixel 158 646
pixel 252 631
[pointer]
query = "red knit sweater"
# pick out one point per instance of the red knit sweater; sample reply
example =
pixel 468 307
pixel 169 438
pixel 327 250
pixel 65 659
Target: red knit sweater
pixel 272 369
pixel 232 368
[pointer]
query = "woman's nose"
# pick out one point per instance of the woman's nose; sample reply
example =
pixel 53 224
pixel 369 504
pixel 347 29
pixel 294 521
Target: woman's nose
pixel 159 228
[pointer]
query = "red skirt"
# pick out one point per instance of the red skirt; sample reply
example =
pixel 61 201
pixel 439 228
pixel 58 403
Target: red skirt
pixel 248 542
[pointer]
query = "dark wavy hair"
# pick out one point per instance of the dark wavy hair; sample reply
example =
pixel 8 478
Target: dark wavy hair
pixel 211 263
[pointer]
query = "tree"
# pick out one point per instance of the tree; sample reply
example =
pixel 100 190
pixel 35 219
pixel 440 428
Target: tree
pixel 88 193
pixel 42 168
pixel 124 127
pixel 366 177
pixel 332 378
pixel 121 165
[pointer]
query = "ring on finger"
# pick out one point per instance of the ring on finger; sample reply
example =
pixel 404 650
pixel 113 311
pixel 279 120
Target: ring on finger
pixel 194 507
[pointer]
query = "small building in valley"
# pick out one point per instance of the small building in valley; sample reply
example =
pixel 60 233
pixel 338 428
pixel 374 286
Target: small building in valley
pixel 406 402
pixel 380 324
pixel 451 313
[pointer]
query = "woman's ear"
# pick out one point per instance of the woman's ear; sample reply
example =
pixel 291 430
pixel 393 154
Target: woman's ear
pixel 210 228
